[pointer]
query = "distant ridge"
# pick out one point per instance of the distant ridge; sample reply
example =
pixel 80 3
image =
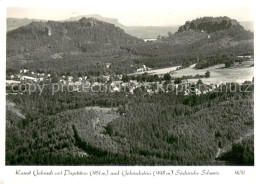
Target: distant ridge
pixel 87 34
pixel 142 32
pixel 14 23
pixel 99 17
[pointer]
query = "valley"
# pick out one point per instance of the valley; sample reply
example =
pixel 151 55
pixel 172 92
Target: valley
pixel 147 117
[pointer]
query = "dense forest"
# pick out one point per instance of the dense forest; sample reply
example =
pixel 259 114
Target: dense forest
pixel 159 129
pixel 242 153
pixel 210 24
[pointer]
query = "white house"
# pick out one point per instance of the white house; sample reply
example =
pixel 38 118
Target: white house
pixel 25 70
pixel 63 81
pixel 29 78
pixel 40 74
pixel 143 69
pixel 116 83
pixel 108 65
pixel 134 82
pixel 197 92
pixel 95 84
pixel 140 70
pixel 119 77
pixel 70 83
pixel 149 91
pixel 78 83
pixel 9 82
pixel 116 88
pixel 70 78
pixel 131 90
pixel 18 76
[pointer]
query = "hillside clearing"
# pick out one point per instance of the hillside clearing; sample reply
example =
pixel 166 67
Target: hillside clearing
pixel 219 74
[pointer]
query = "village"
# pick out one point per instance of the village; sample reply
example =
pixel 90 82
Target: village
pixel 117 83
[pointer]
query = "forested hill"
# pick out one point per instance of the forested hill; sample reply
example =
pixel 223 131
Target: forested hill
pixel 215 28
pixel 196 40
pixel 210 24
pixel 87 33
pixel 88 43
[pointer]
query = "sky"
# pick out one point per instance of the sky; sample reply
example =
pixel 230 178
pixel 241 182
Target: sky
pixel 133 12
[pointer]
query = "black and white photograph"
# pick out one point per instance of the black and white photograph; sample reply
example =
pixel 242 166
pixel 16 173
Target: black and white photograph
pixel 153 83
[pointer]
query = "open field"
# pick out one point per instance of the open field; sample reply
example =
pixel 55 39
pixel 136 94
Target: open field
pixel 100 109
pixel 219 74
pixel 157 71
